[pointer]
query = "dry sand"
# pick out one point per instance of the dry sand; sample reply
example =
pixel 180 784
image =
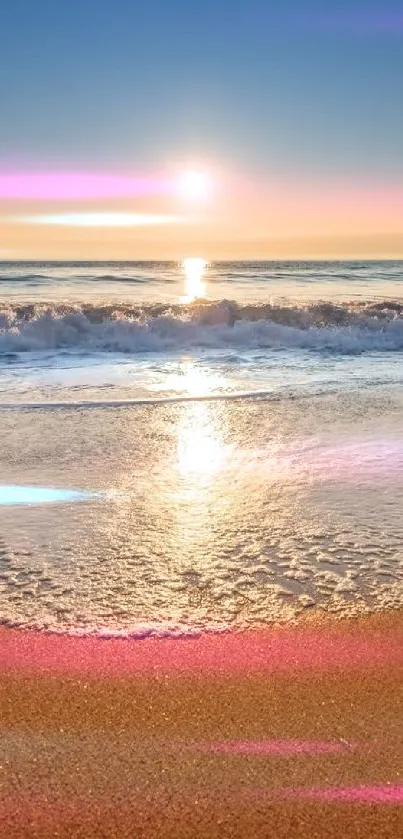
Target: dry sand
pixel 290 732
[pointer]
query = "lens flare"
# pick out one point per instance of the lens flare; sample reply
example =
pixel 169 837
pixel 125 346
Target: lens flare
pixel 10 495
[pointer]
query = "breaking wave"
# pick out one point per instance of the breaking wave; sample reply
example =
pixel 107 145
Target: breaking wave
pixel 349 328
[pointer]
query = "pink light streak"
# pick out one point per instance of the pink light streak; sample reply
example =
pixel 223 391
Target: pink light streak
pixel 276 748
pixel 380 794
pixel 28 813
pixel 361 794
pixel 70 186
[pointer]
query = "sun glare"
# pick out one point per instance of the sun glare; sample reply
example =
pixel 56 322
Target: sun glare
pixel 201 449
pixel 192 380
pixel 195 185
pixel 194 269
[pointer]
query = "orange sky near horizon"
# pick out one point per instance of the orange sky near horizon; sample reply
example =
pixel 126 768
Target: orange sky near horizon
pixel 242 218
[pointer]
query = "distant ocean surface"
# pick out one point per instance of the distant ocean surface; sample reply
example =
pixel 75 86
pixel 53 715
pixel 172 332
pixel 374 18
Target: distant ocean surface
pixel 121 331
pixel 175 462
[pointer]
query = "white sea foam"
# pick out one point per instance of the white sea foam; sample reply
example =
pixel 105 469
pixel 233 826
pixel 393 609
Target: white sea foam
pixel 322 327
pixel 205 517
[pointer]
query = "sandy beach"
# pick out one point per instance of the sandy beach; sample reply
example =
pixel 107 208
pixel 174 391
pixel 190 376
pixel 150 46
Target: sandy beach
pixel 284 732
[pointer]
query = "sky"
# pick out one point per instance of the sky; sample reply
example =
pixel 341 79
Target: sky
pixel 215 128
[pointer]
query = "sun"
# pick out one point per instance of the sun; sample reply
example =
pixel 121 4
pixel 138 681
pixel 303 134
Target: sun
pixel 195 185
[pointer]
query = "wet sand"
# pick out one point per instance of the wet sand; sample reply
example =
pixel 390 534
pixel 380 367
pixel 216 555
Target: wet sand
pixel 289 732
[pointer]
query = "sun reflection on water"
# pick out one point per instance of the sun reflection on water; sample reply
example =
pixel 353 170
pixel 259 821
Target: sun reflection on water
pixel 190 379
pixel 201 451
pixel 195 287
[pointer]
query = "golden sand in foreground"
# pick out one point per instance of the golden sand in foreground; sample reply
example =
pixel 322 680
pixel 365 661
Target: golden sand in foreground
pixel 283 733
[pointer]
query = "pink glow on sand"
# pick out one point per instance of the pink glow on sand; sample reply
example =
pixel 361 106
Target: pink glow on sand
pixel 276 748
pixel 354 461
pixel 68 186
pixel 362 794
pixel 29 812
pixel 283 651
pixel 383 794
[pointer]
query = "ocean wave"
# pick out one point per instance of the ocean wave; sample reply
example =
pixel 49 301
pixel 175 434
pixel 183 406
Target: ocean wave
pixel 23 278
pixel 110 278
pixel 348 328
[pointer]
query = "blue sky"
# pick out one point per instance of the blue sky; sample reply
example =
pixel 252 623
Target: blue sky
pixel 295 86
pixel 293 109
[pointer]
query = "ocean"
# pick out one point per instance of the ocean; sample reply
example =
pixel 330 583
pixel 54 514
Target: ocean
pixel 191 448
